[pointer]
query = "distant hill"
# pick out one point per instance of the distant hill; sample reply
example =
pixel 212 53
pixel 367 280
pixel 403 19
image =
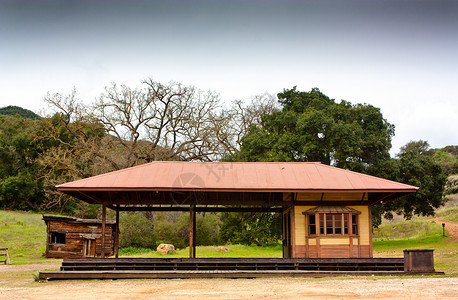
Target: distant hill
pixel 447 157
pixel 16 110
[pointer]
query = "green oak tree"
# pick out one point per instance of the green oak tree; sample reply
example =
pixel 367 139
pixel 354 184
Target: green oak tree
pixel 413 165
pixel 312 127
pixel 20 183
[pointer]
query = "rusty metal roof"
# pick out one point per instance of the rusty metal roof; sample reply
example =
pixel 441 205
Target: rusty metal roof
pixel 235 177
pixel 75 220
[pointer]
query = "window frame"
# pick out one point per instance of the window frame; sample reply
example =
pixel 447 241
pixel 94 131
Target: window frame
pixel 343 224
pixel 56 237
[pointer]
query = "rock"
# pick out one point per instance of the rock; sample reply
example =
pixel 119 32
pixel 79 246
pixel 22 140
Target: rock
pixel 165 249
pixel 222 249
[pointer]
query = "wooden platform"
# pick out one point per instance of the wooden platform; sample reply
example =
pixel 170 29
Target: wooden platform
pixel 200 274
pixel 135 268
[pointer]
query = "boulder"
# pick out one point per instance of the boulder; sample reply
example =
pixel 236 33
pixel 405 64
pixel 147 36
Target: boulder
pixel 165 249
pixel 222 249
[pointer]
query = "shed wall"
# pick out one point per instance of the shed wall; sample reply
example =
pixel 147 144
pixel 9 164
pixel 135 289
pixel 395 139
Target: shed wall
pixel 75 236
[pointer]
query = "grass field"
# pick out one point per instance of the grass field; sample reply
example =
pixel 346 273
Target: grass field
pixel 25 235
pixel 211 251
pixel 390 240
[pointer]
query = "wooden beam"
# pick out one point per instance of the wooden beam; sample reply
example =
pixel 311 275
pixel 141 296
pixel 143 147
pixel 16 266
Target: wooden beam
pixel 370 231
pixel 293 230
pixel 192 227
pixel 153 208
pixel 202 209
pixel 350 233
pixel 117 233
pixel 104 220
pixel 194 232
pixel 379 197
pixel 89 196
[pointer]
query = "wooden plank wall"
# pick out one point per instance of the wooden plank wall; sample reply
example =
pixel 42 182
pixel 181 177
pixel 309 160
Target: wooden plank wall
pixel 74 239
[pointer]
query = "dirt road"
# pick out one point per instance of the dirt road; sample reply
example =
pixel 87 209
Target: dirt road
pixel 395 288
pixel 450 228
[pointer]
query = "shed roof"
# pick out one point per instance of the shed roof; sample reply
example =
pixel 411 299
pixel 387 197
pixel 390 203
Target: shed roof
pixel 76 221
pixel 236 177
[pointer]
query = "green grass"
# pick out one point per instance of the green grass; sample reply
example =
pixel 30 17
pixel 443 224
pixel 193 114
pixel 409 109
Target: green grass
pixel 408 230
pixel 390 240
pixel 450 214
pixel 24 234
pixel 209 251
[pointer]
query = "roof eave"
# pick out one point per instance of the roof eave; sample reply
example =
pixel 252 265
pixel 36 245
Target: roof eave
pixel 253 190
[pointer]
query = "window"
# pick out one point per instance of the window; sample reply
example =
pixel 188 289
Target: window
pixel 312 225
pixel 57 238
pixel 332 223
pixel 354 223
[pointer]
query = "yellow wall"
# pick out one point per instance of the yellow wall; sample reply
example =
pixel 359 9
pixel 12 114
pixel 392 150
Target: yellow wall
pixel 364 227
pixel 300 227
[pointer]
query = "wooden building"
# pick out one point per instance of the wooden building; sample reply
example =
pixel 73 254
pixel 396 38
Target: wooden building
pixel 70 237
pixel 326 210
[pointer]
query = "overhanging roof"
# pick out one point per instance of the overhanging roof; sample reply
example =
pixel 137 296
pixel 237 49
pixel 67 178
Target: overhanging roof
pixel 236 177
pixel 331 210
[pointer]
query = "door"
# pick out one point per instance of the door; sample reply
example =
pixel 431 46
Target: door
pixel 287 248
pixel 89 248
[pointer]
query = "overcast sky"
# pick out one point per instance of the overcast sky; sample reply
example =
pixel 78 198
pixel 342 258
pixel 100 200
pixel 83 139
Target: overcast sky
pixel 400 56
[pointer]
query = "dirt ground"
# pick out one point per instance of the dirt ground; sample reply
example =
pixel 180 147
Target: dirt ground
pixel 450 228
pixel 393 288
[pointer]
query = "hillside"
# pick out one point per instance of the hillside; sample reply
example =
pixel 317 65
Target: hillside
pixel 16 110
pixel 447 157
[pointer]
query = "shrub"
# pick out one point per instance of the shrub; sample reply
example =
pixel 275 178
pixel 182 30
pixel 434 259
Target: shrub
pixel 451 185
pixel 136 231
pixel 172 228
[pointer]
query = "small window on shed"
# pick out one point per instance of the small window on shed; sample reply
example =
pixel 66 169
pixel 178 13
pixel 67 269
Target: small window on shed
pixel 57 238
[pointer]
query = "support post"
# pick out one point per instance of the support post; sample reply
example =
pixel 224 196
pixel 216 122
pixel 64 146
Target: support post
pixel 350 233
pixel 370 231
pixel 192 231
pixel 283 234
pixel 117 233
pixel 104 220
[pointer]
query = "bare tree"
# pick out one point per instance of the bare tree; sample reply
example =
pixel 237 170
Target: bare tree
pixel 236 122
pixel 158 122
pixel 125 127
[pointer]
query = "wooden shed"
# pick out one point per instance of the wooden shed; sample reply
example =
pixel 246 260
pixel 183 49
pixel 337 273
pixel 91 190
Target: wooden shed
pixel 70 237
pixel 326 210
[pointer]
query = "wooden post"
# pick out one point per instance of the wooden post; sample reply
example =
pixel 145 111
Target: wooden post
pixel 292 220
pixel 307 226
pixel 104 220
pixel 318 234
pixel 283 234
pixel 350 233
pixel 192 231
pixel 370 231
pixel 48 238
pixel 117 233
